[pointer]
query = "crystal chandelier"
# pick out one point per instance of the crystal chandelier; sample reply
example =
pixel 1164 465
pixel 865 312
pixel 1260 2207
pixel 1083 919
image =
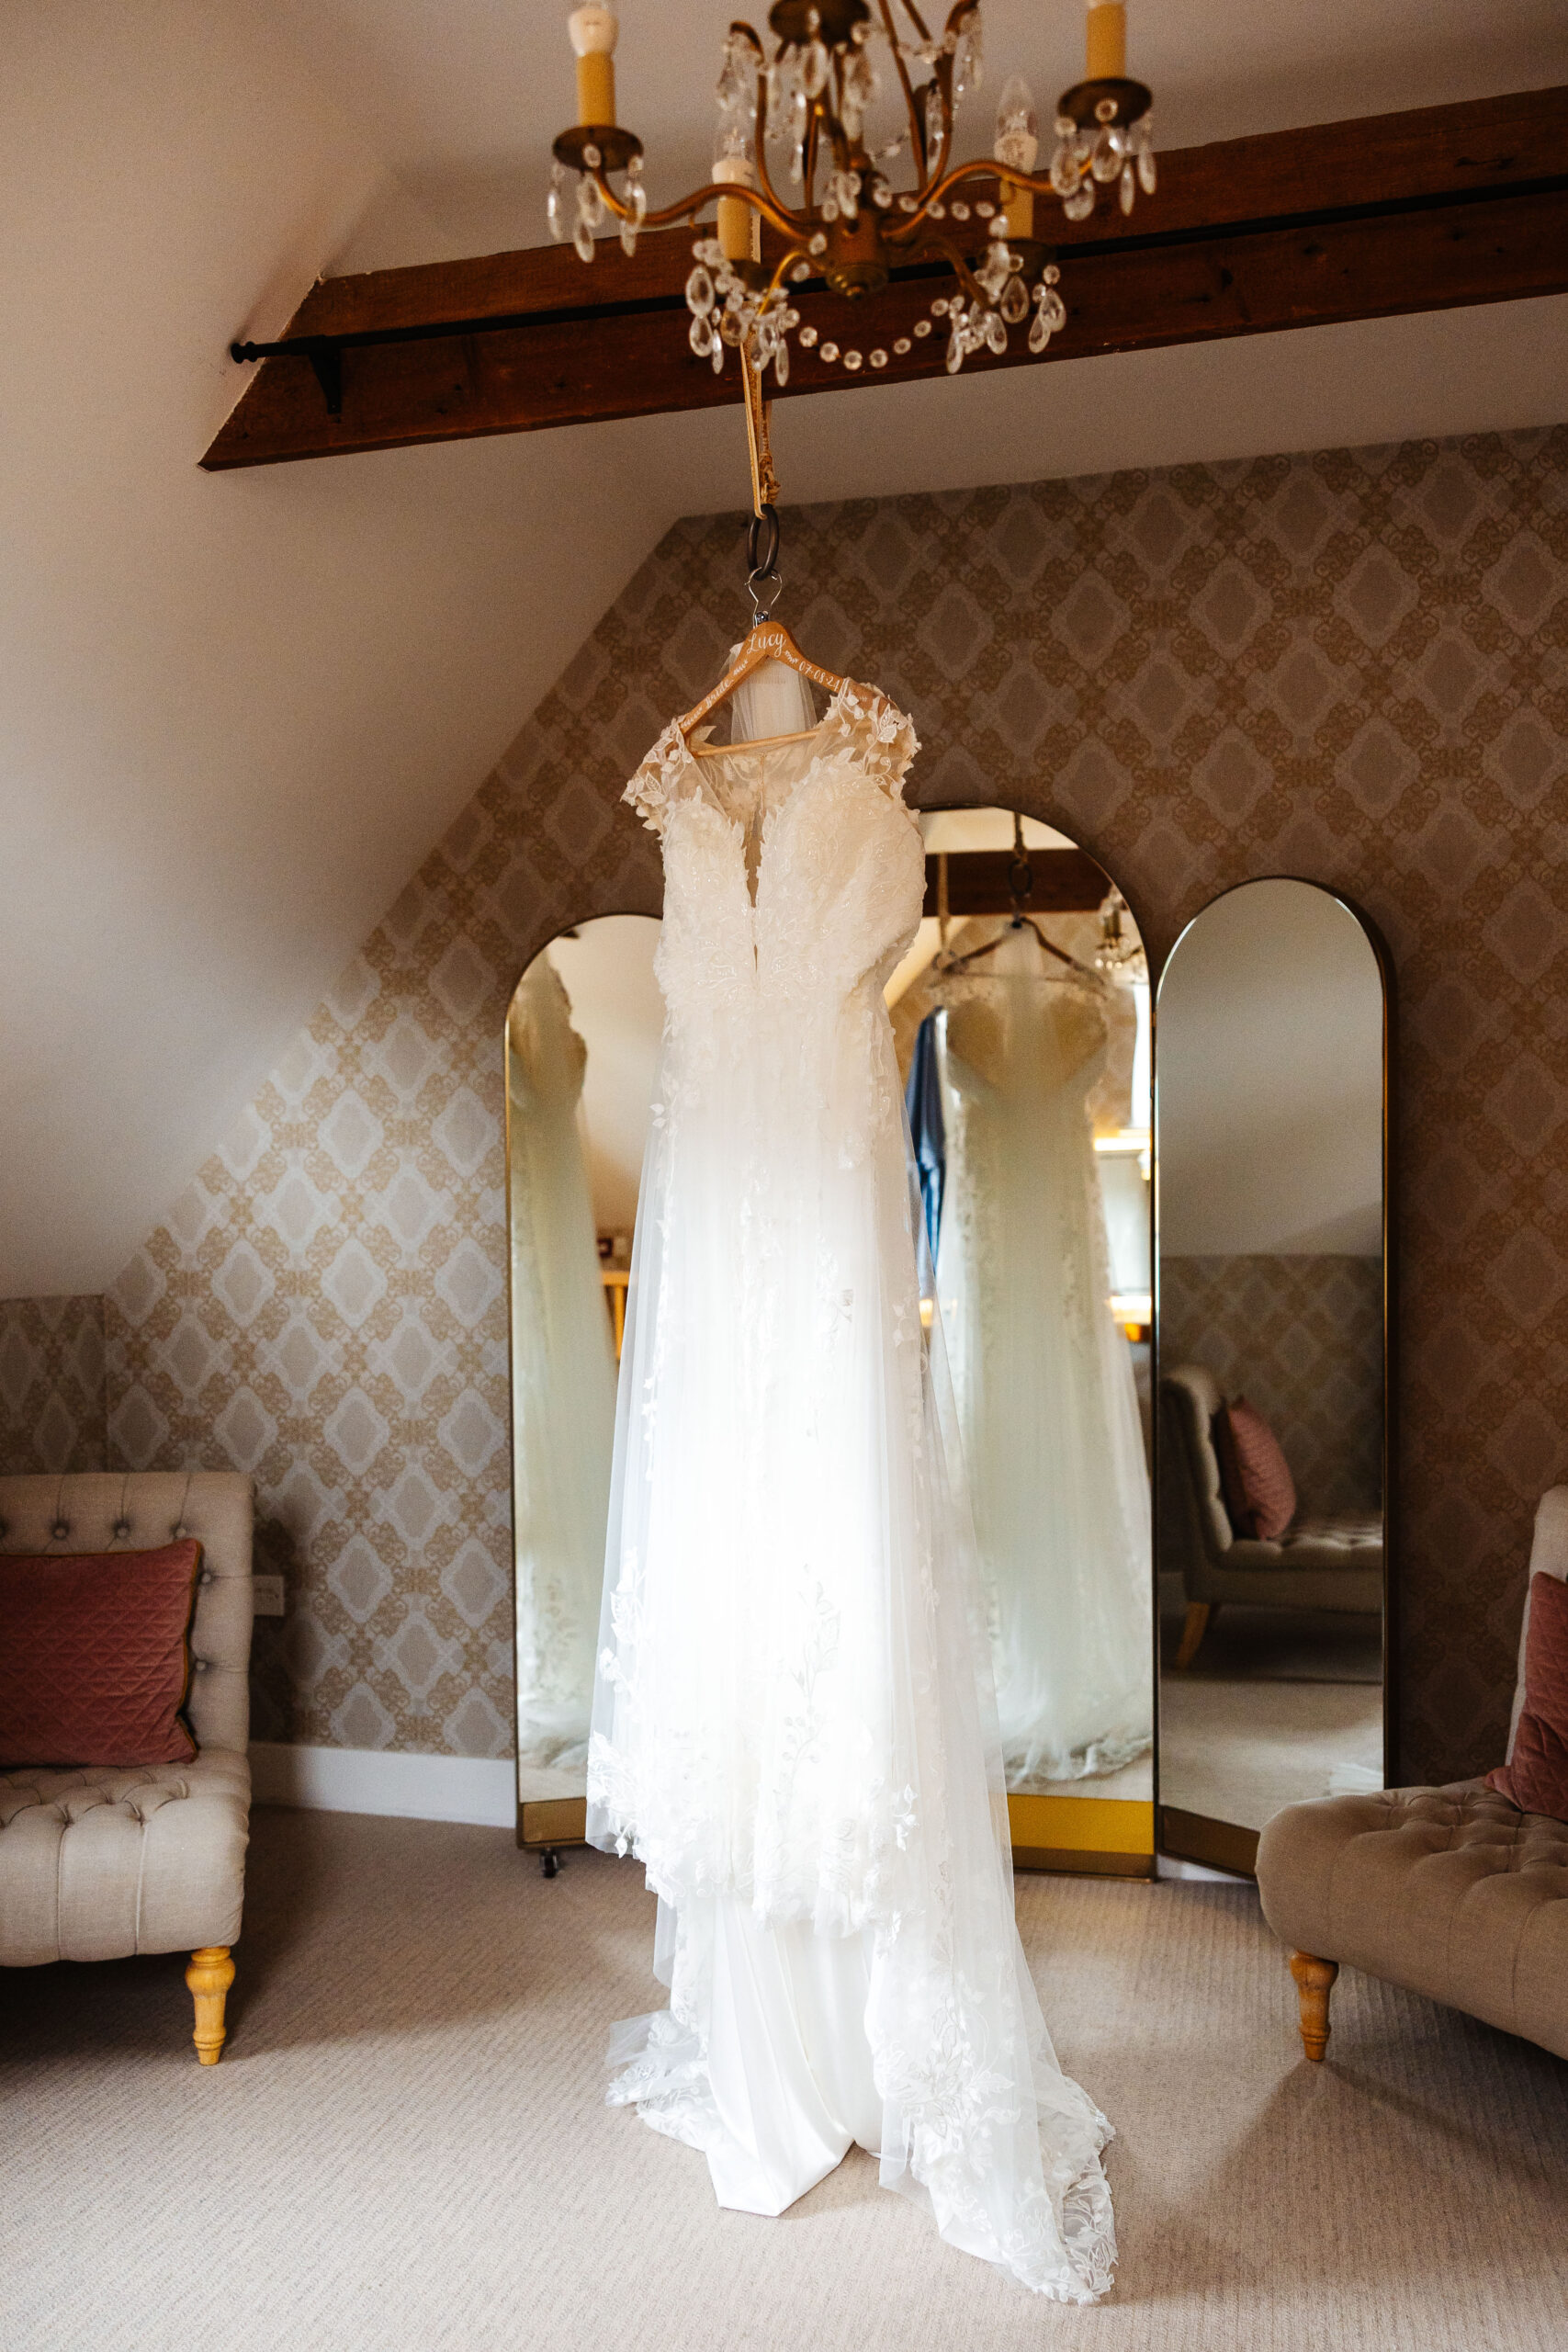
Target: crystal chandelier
pixel 802 120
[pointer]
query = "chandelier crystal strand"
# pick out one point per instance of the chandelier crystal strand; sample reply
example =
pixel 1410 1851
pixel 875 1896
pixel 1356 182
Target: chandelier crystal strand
pixel 794 148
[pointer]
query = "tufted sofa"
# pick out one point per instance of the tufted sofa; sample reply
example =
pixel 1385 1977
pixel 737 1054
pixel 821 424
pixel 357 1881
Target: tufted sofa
pixel 1318 1564
pixel 99 1864
pixel 1450 1891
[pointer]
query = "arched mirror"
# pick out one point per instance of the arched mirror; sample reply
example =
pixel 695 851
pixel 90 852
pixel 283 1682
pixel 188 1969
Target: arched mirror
pixel 1271 1137
pixel 582 1043
pixel 1020 1020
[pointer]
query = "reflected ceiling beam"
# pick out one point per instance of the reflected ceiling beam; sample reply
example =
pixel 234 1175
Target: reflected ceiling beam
pixel 1429 210
pixel 979 882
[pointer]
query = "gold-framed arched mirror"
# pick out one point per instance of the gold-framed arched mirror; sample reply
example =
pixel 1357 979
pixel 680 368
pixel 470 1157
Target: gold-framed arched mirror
pixel 1020 1018
pixel 582 1046
pixel 1272 1347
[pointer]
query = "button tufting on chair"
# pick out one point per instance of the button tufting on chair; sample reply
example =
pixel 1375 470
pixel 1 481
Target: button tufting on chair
pixel 121 1530
pixel 61 1530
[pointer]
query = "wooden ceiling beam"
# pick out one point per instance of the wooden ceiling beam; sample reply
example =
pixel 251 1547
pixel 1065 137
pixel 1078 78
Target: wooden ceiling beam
pixel 1433 209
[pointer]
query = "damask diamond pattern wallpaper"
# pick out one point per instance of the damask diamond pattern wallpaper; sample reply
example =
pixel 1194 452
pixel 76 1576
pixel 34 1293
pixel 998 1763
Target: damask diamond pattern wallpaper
pixel 1352 666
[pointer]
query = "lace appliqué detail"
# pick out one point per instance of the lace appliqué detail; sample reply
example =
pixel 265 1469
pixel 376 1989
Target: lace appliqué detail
pixel 859 719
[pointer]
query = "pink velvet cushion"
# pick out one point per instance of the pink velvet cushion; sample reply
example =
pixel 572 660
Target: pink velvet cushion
pixel 94 1660
pixel 1265 1474
pixel 1537 1778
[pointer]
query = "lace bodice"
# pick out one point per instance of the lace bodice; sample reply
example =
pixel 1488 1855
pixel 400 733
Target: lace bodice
pixel 795 872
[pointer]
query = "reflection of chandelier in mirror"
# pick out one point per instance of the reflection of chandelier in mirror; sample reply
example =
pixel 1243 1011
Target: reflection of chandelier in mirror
pixel 811 108
pixel 1120 958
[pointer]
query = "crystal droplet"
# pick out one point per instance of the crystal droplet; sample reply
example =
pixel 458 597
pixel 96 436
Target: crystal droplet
pixel 1105 161
pixel 879 359
pixel 555 203
pixel 807 337
pixel 995 333
pixel 933 120
pixel 923 327
pixel 583 238
pixel 1147 175
pixel 1081 204
pixel 853 361
pixel 1039 334
pixel 901 346
pixel 1125 191
pixel 829 352
pixel 955 351
pixel 814 67
pixel 699 292
pixel 1015 301
pixel 699 334
pixel 781 362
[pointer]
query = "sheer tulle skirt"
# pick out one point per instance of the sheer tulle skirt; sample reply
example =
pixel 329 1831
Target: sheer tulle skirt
pixel 795 1724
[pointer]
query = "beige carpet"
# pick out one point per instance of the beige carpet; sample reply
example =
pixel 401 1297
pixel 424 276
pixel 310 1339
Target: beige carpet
pixel 405 2144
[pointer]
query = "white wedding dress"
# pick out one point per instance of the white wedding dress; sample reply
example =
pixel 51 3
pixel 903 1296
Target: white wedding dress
pixel 1043 1378
pixel 563 1385
pixel 794 1722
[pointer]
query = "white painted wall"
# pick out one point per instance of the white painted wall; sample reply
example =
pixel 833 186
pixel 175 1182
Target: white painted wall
pixel 1268 1065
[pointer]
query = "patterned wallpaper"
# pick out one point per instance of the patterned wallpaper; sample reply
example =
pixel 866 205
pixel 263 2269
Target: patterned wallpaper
pixel 1352 665
pixel 1302 1339
pixel 51 1384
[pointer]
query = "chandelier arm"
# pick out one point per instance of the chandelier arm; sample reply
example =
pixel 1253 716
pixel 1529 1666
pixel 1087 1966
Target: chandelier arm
pixel 981 167
pixel 808 153
pixel 917 135
pixel 686 207
pixel 913 12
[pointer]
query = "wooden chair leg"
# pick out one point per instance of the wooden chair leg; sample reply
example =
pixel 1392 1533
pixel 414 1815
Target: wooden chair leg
pixel 1199 1613
pixel 210 1975
pixel 1315 1981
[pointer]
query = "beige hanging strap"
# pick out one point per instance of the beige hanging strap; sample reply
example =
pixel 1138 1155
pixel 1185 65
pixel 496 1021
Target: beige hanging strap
pixel 764 482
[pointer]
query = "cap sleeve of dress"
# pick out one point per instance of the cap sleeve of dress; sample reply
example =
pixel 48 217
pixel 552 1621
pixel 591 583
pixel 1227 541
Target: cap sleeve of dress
pixel 654 788
pixel 884 739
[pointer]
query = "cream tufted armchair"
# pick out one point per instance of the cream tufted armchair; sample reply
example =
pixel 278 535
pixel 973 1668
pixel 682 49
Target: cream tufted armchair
pixel 1451 1891
pixel 102 1863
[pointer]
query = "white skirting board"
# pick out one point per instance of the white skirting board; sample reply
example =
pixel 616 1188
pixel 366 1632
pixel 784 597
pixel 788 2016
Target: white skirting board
pixel 479 1789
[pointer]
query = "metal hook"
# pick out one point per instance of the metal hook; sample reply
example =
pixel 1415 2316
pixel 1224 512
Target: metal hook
pixel 762 556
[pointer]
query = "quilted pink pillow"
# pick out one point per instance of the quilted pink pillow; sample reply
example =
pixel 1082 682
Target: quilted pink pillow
pixel 94 1658
pixel 1265 1473
pixel 1537 1780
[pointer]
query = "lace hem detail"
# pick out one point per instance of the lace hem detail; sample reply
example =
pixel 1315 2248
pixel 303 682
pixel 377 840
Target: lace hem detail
pixel 859 721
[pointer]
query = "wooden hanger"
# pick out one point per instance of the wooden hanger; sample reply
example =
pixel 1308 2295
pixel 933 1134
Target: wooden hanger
pixel 1020 883
pixel 1019 923
pixel 767 640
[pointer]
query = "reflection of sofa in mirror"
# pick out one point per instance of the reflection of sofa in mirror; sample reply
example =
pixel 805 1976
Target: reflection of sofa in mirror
pixel 1333 1562
pixel 1453 1892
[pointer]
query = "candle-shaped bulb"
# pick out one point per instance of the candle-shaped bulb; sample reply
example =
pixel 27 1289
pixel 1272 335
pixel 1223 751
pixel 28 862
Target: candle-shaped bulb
pixel 594 31
pixel 734 166
pixel 1017 125
pixel 1105 42
pixel 1018 145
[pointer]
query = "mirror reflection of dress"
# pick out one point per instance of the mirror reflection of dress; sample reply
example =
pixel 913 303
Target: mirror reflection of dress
pixel 793 1726
pixel 1042 1376
pixel 563 1381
